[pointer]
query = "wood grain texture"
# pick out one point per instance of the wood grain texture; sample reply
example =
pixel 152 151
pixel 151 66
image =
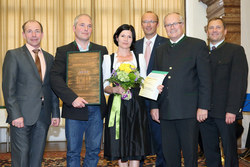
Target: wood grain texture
pixel 229 10
pixel 83 75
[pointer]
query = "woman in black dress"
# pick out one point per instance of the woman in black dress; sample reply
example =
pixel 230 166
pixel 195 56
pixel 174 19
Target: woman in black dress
pixel 134 141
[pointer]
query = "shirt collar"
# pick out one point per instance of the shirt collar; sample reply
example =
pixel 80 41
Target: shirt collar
pixel 216 45
pixel 31 48
pixel 178 39
pixel 81 49
pixel 152 40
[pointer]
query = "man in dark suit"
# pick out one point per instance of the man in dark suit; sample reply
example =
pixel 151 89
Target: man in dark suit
pixel 186 94
pixel 150 23
pixel 29 98
pixel 229 83
pixel 80 118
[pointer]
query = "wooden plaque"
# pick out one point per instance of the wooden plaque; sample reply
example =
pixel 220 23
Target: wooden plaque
pixel 83 75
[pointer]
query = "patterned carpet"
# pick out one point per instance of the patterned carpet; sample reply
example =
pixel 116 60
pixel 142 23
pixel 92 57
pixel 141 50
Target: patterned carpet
pixel 58 159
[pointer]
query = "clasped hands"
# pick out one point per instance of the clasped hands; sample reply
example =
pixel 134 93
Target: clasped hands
pixel 118 90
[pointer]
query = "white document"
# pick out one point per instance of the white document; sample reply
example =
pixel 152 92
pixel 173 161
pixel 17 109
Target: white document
pixel 152 81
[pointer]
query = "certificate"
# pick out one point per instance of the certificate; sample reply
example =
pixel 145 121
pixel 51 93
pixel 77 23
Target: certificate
pixel 152 81
pixel 84 75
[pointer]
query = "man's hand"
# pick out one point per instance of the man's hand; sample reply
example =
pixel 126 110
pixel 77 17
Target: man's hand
pixel 79 102
pixel 230 118
pixel 18 122
pixel 55 121
pixel 155 114
pixel 160 88
pixel 201 115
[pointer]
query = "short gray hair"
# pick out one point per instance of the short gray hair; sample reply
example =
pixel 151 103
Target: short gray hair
pixel 180 16
pixel 80 15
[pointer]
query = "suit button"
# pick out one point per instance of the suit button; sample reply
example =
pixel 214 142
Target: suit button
pixel 170 68
pixel 169 77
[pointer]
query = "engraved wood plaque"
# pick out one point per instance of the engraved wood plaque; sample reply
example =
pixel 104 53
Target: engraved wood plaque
pixel 83 75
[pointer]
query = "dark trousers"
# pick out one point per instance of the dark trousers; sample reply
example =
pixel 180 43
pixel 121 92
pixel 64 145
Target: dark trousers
pixel 155 131
pixel 27 144
pixel 180 135
pixel 211 130
pixel 156 134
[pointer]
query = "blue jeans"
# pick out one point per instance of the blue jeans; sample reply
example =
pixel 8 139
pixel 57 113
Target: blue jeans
pixel 93 133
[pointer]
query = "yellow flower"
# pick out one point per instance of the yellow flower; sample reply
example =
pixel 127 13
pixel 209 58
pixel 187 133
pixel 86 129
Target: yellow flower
pixel 126 67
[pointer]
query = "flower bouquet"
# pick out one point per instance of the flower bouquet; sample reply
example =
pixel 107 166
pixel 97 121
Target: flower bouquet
pixel 127 76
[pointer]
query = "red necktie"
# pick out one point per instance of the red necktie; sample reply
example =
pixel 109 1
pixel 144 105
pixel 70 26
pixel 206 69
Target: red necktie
pixel 38 63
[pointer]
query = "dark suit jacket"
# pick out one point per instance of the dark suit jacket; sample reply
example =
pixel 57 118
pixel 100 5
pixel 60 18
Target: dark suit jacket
pixel 188 84
pixel 58 82
pixel 229 76
pixel 23 89
pixel 139 49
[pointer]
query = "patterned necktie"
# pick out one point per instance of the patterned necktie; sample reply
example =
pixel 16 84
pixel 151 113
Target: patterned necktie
pixel 38 63
pixel 213 47
pixel 147 52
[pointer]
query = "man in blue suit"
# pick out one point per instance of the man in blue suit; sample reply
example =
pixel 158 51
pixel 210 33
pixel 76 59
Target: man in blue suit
pixel 150 23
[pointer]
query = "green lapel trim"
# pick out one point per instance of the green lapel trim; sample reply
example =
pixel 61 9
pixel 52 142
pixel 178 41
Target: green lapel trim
pixel 90 45
pixel 174 44
pixel 221 44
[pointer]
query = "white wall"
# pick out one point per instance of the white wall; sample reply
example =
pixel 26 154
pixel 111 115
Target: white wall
pixel 245 29
pixel 245 42
pixel 196 19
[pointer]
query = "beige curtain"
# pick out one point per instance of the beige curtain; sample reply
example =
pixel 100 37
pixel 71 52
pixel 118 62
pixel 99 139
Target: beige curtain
pixel 57 18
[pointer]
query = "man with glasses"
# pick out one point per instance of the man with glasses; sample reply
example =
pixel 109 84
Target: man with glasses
pixel 149 24
pixel 186 94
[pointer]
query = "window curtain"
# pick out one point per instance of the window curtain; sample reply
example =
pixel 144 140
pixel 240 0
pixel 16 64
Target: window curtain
pixel 57 18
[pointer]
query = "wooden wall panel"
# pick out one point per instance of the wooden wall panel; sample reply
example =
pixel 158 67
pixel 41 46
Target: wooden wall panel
pixel 229 10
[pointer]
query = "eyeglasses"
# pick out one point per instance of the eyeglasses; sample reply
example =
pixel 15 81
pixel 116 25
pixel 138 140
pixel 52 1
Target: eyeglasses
pixel 173 24
pixel 149 21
